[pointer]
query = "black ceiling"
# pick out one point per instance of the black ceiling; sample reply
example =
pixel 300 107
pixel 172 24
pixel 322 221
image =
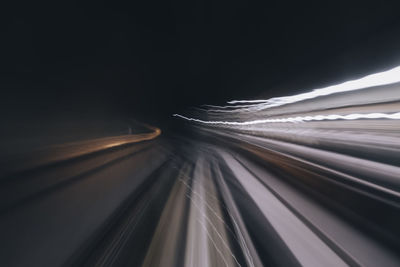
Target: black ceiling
pixel 152 58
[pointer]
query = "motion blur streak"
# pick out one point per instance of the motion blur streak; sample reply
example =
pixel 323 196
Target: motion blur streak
pixel 306 183
pixel 311 179
pixel 377 79
pixel 395 116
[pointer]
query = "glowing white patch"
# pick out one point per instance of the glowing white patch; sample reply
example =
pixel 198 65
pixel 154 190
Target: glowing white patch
pixel 377 79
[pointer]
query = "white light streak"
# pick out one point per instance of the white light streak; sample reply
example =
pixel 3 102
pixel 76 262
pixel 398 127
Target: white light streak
pixel 377 79
pixel 355 116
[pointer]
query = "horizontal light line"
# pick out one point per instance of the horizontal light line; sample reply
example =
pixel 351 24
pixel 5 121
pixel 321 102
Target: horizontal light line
pixel 331 117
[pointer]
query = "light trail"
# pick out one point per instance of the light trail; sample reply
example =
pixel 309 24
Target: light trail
pixel 331 117
pixel 341 143
pixel 377 79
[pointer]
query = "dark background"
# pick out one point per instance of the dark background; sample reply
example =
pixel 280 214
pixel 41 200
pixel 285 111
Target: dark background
pixel 149 59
